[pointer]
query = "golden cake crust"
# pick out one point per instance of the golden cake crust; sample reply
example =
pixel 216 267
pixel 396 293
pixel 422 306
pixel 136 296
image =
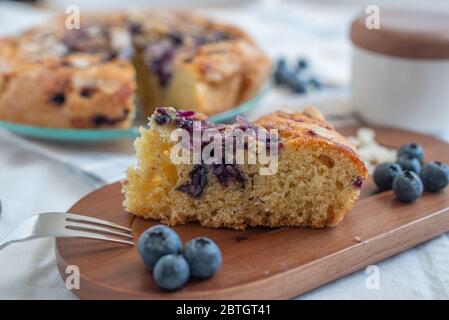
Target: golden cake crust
pixel 51 94
pixel 310 127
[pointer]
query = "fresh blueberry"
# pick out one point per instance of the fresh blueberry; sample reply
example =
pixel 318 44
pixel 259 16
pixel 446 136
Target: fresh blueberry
pixel 435 176
pixel 407 186
pixel 281 63
pixel 302 64
pixel 281 75
pixel 157 242
pixel 297 85
pixel 412 149
pixel 409 163
pixel 171 272
pixel 315 83
pixel 385 173
pixel 204 257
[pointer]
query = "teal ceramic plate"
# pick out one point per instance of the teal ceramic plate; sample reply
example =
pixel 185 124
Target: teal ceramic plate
pixel 113 134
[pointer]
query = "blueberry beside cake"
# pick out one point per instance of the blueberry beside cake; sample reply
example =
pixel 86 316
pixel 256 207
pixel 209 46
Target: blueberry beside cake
pixel 318 177
pixel 89 77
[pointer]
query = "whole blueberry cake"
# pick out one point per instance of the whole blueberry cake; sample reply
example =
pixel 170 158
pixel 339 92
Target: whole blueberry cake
pixel 317 180
pixel 88 77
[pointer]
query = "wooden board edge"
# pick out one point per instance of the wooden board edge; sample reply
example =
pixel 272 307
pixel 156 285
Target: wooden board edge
pixel 276 287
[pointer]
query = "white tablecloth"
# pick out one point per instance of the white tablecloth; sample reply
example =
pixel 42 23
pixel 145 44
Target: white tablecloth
pixel 38 176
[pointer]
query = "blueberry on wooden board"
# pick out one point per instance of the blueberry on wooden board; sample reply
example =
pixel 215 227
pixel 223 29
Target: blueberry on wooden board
pixel 203 256
pixel 171 272
pixel 409 163
pixel 157 242
pixel 408 187
pixel 385 173
pixel 413 150
pixel 435 176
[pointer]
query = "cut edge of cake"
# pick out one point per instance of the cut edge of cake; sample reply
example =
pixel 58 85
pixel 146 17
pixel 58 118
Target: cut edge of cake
pixel 318 179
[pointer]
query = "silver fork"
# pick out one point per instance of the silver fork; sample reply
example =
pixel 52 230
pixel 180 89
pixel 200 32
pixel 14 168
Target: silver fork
pixel 68 225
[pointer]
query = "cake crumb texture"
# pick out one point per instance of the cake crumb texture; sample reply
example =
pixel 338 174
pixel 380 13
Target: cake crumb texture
pixel 316 184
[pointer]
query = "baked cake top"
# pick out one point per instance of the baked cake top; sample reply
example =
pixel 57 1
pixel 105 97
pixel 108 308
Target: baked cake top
pixel 165 38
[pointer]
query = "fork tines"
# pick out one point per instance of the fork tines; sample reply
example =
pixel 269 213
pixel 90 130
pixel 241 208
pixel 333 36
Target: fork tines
pixel 93 228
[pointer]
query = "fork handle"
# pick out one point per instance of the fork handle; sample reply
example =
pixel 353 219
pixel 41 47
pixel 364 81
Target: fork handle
pixel 5 244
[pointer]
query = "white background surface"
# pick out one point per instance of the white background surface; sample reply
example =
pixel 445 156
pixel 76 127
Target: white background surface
pixel 39 177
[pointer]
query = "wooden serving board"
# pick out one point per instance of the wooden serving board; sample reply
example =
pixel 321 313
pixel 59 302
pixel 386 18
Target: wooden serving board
pixel 263 263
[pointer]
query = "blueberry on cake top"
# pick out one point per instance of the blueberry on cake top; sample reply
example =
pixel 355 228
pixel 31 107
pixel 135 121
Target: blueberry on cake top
pixel 318 177
pixel 89 77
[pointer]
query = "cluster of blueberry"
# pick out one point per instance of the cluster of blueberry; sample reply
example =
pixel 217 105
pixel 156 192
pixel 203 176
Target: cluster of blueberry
pixel 297 79
pixel 161 250
pixel 408 177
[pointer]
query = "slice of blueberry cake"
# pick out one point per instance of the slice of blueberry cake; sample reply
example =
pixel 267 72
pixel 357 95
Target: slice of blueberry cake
pixel 316 176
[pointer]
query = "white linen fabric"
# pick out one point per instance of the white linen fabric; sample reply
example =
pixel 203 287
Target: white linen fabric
pixel 37 176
